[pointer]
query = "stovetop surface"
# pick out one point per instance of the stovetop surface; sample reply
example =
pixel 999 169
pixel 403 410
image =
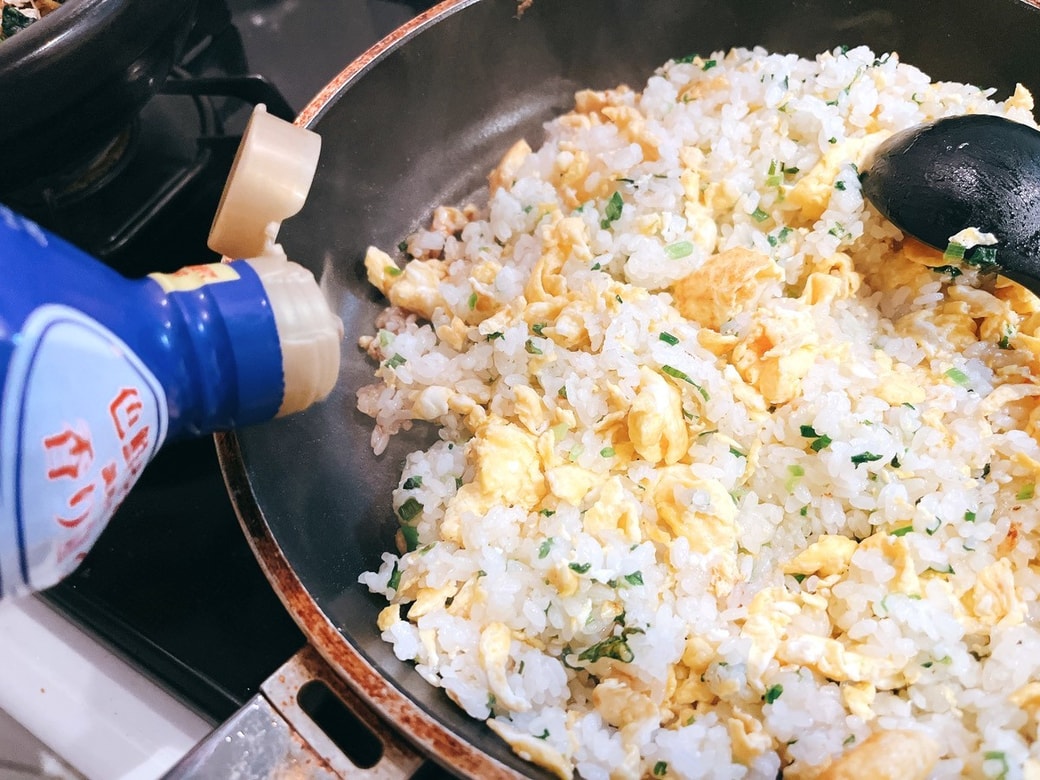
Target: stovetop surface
pixel 172 585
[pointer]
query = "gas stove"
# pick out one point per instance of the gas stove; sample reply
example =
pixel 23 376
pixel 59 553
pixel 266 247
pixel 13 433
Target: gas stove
pixel 171 590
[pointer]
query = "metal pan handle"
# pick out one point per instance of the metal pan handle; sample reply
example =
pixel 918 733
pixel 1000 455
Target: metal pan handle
pixel 277 734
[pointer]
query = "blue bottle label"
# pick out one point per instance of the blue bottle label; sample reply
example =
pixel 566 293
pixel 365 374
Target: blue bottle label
pixel 83 415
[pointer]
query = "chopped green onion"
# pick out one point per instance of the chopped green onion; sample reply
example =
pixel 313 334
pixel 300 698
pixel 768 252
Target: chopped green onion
pixel 1010 331
pixel 395 578
pixel 615 647
pixel 983 257
pixel 709 64
pixel 864 457
pixel 1026 492
pixel 799 578
pixel 403 246
pixel 635 578
pixel 547 512
pixel 395 361
pixel 958 376
pixel 660 769
pixel 969 516
pixel 737 453
pixel 679 250
pixel 393 270
pixel 668 338
pixel 411 537
pixel 580 568
pixel 613 210
pixel 780 236
pixel 607 452
pixel 544 547
pixel 538 327
pixel 412 482
pixel 794 473
pixel 820 443
pixel 674 372
pixel 472 302
pixel 531 348
pixel 409 509
pixel 773 693
pixel 496 335
pixel 759 216
pixel 849 739
pixel 951 271
pixel 954 251
pixel 839 185
pixel 902 531
pixel 820 440
pixel 995 756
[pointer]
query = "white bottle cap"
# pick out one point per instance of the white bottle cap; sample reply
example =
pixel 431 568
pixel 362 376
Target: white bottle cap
pixel 268 183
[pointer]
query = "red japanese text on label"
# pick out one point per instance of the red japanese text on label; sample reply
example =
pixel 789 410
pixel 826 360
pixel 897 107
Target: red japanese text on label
pixel 93 494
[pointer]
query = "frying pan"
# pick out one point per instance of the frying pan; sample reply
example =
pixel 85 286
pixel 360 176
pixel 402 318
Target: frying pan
pixel 417 121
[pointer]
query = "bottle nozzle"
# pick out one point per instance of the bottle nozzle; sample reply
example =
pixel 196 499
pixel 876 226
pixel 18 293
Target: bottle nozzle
pixel 310 334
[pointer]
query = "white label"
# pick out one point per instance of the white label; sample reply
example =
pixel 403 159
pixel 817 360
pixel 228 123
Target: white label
pixel 81 416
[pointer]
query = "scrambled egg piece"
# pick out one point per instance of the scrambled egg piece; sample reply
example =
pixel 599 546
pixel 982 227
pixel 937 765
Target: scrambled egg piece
pixel 656 426
pixel 831 279
pixel 727 284
pixel 898 383
pixel 770 612
pixel 570 482
pixel 561 240
pixel 533 749
pixel 830 658
pixel 508 471
pixel 896 754
pixel 702 511
pixel 812 192
pixel 895 551
pixel 859 698
pixel 994 598
pixel 747 736
pixel 415 287
pixel 830 554
pixel 777 352
pixel 505 172
pixel 493 654
pixel 614 509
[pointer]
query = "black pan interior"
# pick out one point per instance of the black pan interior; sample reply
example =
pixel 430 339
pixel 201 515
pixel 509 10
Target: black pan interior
pixel 425 124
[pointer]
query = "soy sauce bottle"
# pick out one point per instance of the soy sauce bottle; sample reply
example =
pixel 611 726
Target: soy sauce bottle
pixel 97 371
